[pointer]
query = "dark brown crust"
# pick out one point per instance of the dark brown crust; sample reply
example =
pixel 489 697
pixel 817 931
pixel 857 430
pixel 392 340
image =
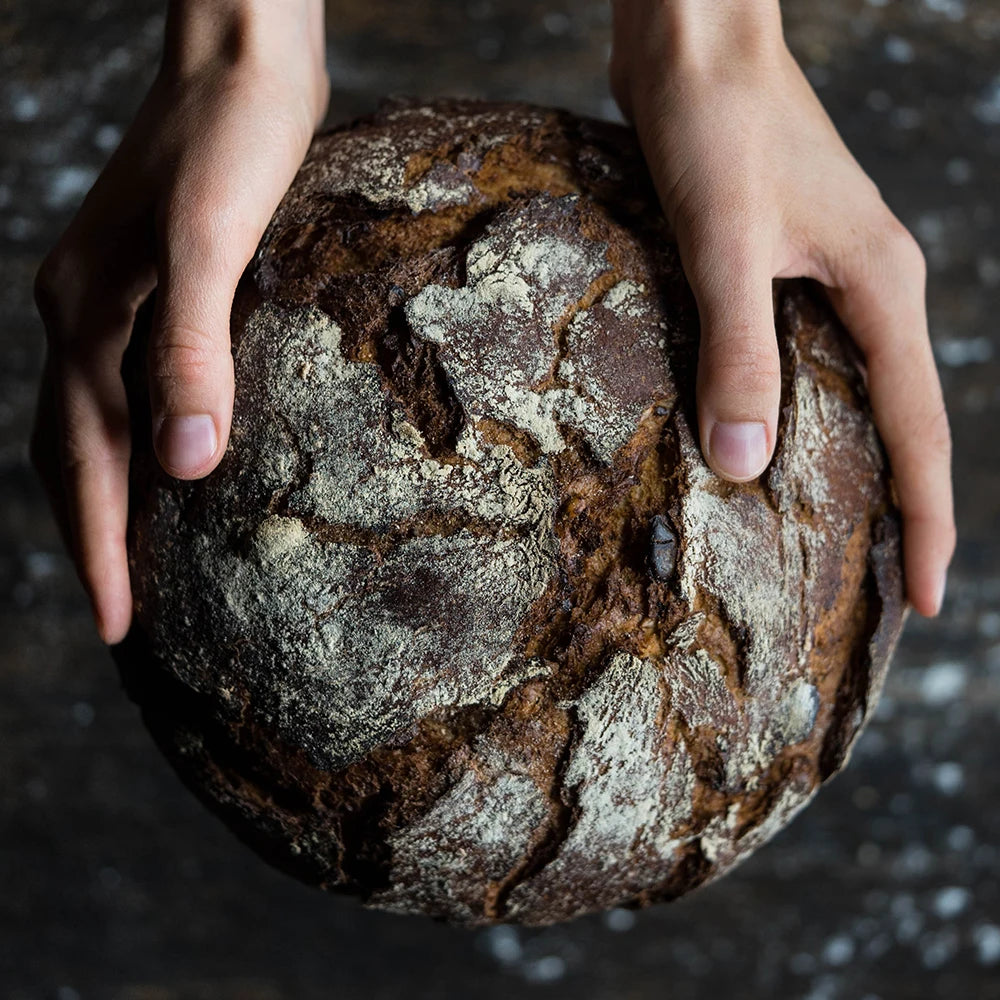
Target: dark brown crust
pixel 614 592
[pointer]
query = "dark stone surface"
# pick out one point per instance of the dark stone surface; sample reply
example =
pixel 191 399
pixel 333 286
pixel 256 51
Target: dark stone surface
pixel 116 883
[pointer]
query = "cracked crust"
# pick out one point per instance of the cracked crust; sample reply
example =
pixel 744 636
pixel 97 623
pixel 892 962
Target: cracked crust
pixel 462 624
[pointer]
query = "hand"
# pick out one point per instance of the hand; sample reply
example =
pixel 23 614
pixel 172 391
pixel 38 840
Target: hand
pixel 757 184
pixel 181 206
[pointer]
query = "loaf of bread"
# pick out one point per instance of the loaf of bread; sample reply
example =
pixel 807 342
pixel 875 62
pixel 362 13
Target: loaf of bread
pixel 463 624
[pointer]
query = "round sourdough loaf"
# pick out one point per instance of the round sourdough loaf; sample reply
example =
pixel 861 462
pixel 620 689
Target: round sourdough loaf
pixel 462 623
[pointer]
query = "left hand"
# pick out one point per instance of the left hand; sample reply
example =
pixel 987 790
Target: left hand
pixel 757 184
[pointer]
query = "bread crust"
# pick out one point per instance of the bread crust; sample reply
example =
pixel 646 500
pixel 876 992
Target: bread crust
pixel 462 624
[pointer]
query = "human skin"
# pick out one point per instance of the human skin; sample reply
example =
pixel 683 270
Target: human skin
pixel 750 171
pixel 181 207
pixel 757 184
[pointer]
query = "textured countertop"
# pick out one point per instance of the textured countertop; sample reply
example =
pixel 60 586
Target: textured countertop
pixel 116 883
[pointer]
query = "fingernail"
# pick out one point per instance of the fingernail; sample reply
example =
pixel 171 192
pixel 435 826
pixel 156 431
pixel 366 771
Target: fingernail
pixel 185 444
pixel 739 450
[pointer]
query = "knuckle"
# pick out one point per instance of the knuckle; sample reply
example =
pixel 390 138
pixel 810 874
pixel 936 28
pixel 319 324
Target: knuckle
pixel 75 453
pixel 185 356
pixel 79 307
pixel 909 253
pixel 948 537
pixel 75 456
pixel 936 528
pixel 935 435
pixel 52 280
pixel 951 539
pixel 742 364
pixel 900 251
pixel 927 431
pixel 82 453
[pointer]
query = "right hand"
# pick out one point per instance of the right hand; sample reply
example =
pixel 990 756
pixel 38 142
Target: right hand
pixel 180 206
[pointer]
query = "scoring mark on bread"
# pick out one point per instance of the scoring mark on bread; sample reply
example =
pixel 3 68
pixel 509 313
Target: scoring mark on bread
pixel 418 380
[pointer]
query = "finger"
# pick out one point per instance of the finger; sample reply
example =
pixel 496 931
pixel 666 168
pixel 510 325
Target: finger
pixel 44 450
pixel 880 299
pixel 94 450
pixel 190 366
pixel 80 434
pixel 80 439
pixel 208 230
pixel 739 373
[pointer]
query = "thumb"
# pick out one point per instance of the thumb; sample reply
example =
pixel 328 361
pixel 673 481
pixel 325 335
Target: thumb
pixel 739 374
pixel 190 364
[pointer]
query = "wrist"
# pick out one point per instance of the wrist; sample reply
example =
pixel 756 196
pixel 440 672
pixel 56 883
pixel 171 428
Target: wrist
pixel 685 44
pixel 266 36
pixel 693 37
